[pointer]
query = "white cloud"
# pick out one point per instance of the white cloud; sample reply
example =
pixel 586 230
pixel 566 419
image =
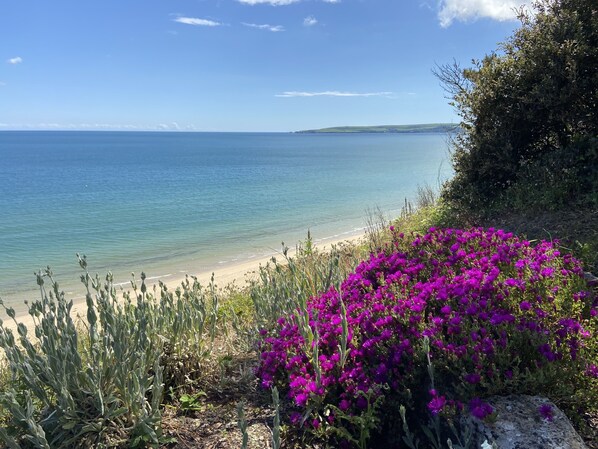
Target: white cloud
pixel 197 22
pixel 268 2
pixel 278 2
pixel 332 93
pixel 310 21
pixel 174 126
pixel 16 60
pixel 2 83
pixel 464 10
pixel 265 26
pixel 95 126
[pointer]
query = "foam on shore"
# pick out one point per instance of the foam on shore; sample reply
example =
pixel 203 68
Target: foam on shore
pixel 233 271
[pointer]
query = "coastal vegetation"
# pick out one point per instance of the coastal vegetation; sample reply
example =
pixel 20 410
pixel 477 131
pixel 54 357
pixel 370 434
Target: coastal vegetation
pixel 386 343
pixel 428 327
pixel 529 116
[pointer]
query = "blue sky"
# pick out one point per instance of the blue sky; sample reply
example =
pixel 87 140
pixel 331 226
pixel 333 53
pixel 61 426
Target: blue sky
pixel 236 65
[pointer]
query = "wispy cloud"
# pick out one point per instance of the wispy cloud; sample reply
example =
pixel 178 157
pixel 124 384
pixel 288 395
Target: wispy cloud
pixel 279 2
pixel 466 10
pixel 173 126
pixel 14 61
pixel 197 22
pixel 268 2
pixel 333 93
pixel 310 21
pixel 2 83
pixel 67 126
pixel 265 26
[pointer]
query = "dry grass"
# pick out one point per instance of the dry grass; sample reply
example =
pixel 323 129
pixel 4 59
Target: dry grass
pixel 211 422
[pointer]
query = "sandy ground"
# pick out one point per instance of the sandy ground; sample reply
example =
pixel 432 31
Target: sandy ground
pixel 237 272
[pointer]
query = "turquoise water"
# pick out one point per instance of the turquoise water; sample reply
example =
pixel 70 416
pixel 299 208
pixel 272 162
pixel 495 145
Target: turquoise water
pixel 169 203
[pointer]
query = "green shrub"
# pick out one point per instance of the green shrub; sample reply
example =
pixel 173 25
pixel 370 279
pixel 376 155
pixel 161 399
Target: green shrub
pixel 100 395
pixel 282 288
pixel 186 321
pixel 559 179
pixel 102 385
pixel 526 111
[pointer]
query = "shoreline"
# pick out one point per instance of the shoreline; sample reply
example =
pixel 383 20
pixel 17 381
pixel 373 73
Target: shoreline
pixel 225 274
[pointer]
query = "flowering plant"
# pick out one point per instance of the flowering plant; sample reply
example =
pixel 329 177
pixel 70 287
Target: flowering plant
pixel 497 314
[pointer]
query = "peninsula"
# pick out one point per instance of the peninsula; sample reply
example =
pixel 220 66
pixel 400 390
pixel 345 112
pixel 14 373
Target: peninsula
pixel 421 128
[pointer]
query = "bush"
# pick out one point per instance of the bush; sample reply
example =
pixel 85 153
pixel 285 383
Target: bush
pixel 102 385
pixel 475 312
pixel 186 321
pixel 97 391
pixel 557 180
pixel 530 102
pixel 281 288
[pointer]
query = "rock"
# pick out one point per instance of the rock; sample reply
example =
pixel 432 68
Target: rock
pixel 590 279
pixel 526 422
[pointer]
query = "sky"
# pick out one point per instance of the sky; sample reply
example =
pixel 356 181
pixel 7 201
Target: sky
pixel 236 65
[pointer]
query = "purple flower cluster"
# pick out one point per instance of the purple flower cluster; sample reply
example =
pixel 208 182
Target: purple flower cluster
pixel 546 412
pixel 488 303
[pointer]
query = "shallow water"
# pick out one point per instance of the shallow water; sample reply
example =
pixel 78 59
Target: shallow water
pixel 166 203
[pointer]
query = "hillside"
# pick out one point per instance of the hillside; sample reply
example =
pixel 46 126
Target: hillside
pixel 421 128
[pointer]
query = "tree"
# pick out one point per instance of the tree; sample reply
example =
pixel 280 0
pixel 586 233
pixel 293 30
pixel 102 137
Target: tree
pixel 533 98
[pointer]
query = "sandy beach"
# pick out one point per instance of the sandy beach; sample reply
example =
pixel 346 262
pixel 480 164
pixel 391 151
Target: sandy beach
pixel 238 272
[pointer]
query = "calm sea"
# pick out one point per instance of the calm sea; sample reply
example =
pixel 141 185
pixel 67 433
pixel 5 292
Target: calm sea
pixel 168 203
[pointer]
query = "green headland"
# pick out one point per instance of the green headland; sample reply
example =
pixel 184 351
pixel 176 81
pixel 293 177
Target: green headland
pixel 381 129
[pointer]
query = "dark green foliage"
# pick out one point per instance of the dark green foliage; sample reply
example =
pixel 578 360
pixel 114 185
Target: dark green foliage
pixel 568 175
pixel 530 110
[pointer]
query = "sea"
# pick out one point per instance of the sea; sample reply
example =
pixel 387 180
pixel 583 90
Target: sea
pixel 172 203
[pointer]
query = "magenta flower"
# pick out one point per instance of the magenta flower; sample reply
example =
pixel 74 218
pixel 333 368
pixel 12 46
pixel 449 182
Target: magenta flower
pixel 473 378
pixel 592 371
pixel 474 294
pixel 525 305
pixel 480 409
pixel 437 404
pixel 301 399
pixel 546 412
pixel 344 405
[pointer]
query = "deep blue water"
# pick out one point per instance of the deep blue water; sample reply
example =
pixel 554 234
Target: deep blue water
pixel 160 202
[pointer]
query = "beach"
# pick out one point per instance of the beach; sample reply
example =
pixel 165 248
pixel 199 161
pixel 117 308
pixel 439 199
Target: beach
pixel 237 272
pixel 177 204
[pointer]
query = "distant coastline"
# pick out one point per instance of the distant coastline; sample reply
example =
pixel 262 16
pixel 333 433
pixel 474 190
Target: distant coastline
pixel 387 129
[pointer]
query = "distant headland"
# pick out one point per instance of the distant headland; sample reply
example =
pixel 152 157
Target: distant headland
pixel 421 128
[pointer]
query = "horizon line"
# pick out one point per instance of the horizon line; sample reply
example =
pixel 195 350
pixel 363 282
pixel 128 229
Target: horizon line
pixel 152 130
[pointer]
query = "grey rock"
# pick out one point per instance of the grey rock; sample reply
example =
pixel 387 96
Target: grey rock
pixel 590 279
pixel 519 425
